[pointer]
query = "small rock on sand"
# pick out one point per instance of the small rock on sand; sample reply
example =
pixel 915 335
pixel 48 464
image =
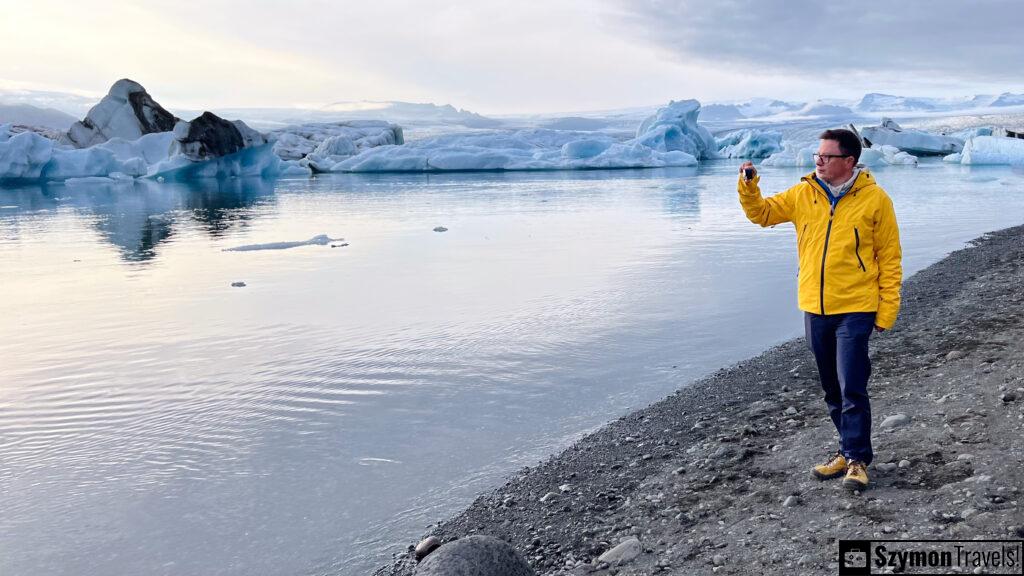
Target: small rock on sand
pixel 895 421
pixel 426 546
pixel 626 551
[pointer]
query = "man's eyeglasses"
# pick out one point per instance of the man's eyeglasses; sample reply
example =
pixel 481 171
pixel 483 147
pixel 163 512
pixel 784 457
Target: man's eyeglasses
pixel 825 158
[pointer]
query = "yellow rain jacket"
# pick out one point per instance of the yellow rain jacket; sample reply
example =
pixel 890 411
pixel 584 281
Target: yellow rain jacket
pixel 849 256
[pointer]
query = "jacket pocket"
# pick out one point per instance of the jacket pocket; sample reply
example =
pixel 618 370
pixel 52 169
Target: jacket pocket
pixel 856 248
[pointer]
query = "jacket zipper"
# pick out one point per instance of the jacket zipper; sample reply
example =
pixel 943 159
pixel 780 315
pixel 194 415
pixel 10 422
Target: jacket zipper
pixel 824 253
pixel 828 231
pixel 856 250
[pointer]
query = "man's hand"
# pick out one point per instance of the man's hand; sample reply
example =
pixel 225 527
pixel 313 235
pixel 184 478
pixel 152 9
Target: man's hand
pixel 879 328
pixel 744 166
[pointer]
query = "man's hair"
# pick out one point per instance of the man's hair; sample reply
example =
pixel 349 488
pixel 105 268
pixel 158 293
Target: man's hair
pixel 849 143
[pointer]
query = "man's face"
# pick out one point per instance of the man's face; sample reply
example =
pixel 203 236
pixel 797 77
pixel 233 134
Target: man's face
pixel 830 167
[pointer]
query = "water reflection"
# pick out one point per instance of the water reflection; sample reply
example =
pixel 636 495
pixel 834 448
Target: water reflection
pixel 137 216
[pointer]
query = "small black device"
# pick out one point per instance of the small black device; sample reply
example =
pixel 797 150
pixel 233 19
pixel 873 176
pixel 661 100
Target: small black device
pixel 748 173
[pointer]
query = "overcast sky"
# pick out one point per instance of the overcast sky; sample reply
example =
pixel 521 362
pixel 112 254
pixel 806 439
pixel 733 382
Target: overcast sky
pixel 498 56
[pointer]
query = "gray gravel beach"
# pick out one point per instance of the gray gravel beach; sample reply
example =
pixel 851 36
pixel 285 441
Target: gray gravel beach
pixel 715 478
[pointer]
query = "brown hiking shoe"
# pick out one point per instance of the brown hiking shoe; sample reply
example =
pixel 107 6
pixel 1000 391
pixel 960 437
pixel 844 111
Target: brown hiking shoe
pixel 856 476
pixel 834 468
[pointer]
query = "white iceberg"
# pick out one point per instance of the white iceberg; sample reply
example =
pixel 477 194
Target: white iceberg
pixel 675 128
pixel 750 143
pixel 322 145
pixel 993 150
pixel 802 154
pixel 24 155
pixel 916 142
pixel 890 155
pixel 29 156
pixel 792 154
pixel 671 137
pixel 259 161
pixel 318 240
pixel 519 150
pixel 127 111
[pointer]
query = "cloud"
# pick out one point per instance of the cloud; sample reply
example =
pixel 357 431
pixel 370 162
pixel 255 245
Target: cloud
pixel 972 40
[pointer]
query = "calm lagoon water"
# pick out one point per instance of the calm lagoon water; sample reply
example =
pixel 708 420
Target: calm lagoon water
pixel 156 420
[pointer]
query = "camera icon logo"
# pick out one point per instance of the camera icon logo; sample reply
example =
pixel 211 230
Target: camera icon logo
pixel 855 559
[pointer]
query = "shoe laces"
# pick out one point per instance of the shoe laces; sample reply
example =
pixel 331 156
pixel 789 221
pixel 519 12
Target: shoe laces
pixel 834 456
pixel 855 467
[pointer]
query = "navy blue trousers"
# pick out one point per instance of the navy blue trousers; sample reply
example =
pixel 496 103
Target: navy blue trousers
pixel 840 346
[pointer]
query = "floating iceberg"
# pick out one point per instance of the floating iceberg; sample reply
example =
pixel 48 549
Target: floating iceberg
pixel 127 111
pixel 886 155
pixel 675 128
pixel 318 240
pixel 322 145
pixel 259 161
pixel 916 142
pixel 29 156
pixel 671 137
pixel 792 154
pixel 750 144
pixel 993 150
pixel 519 150
pixel 130 135
pixel 23 155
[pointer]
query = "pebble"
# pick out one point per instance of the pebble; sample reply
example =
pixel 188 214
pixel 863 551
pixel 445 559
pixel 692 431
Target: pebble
pixel 955 355
pixel 426 546
pixel 895 421
pixel 440 229
pixel 549 496
pixel 904 464
pixel 887 467
pixel 565 488
pixel 1008 397
pixel 791 411
pixel 965 456
pixel 718 560
pixel 625 552
pixel 238 284
pixel 791 501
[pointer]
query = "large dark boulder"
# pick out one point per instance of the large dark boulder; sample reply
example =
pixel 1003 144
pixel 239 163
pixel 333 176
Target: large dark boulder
pixel 475 556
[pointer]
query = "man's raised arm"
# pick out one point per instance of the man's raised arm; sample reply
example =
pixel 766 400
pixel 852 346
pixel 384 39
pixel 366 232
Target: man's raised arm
pixel 763 211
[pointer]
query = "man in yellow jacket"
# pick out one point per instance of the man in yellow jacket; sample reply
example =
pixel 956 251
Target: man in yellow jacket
pixel 849 282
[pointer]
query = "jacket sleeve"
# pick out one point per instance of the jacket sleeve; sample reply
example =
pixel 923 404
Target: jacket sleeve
pixel 889 255
pixel 765 211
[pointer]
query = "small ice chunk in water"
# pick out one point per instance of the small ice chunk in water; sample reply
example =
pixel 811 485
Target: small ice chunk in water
pixel 319 240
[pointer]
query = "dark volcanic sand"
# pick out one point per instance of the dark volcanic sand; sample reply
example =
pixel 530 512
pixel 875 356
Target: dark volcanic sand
pixel 701 477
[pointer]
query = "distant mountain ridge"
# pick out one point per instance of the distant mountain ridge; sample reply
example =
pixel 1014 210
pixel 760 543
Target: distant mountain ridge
pixel 396 111
pixel 29 115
